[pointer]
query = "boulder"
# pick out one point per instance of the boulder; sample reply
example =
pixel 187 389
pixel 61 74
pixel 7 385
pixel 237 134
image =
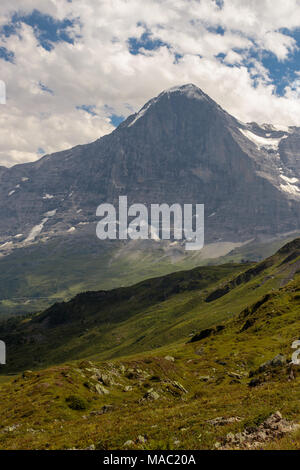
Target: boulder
pixel 27 374
pixel 101 389
pixel 128 443
pixel 151 395
pixel 179 386
pixel 278 361
pixel 169 358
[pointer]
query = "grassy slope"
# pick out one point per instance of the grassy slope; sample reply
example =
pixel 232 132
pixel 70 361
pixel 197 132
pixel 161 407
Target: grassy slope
pixel 38 408
pixel 126 320
pixel 38 414
pixel 143 317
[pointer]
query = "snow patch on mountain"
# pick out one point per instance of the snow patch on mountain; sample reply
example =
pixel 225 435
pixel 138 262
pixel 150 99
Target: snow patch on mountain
pixel 276 128
pixel 290 188
pixel 50 213
pixel 289 180
pixel 190 90
pixel 36 230
pixel 289 185
pixel 6 245
pixel 142 112
pixel 260 142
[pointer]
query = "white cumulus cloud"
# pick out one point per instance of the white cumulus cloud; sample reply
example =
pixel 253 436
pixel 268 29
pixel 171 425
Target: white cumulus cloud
pixel 47 89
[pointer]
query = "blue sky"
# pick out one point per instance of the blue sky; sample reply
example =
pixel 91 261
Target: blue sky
pixel 47 30
pixel 282 73
pixel 78 68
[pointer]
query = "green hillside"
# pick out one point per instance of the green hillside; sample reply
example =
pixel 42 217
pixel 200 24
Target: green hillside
pixel 33 278
pixel 195 360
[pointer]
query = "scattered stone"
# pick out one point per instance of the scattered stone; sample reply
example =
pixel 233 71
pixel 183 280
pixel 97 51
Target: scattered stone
pixel 27 374
pixel 151 395
pixel 272 428
pixel 128 443
pixel 230 437
pixel 169 358
pixel 179 386
pixel 106 380
pixel 199 352
pixel 91 447
pixel 234 375
pixel 89 385
pixel 11 428
pixel 101 389
pixel 240 437
pixel 278 361
pixel 221 421
pixel 107 408
pixel 204 378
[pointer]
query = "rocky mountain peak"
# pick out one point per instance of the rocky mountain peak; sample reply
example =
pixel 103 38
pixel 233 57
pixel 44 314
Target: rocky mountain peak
pixel 189 89
pixel 180 147
pixel 176 100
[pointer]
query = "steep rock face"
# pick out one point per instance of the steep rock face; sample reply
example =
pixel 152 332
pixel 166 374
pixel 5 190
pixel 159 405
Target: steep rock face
pixel 180 147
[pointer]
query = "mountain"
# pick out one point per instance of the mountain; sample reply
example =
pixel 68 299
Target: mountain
pixel 180 147
pixel 194 360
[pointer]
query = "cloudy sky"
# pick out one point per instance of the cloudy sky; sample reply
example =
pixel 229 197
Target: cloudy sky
pixel 74 69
